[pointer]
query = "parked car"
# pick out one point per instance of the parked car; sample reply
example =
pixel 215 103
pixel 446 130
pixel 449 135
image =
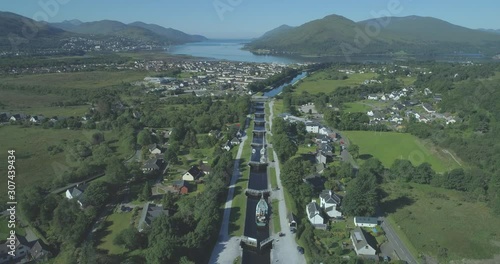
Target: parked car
pixel 300 250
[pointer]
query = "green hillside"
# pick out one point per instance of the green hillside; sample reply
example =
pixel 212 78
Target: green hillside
pixel 334 35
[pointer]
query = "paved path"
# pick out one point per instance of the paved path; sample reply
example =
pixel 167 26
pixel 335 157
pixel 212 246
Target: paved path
pixel 284 248
pixel 397 244
pixel 228 248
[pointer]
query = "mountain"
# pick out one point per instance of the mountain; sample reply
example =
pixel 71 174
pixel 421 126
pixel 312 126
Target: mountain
pixel 496 31
pixel 68 25
pixel 170 33
pixel 337 35
pixel 279 30
pixel 136 31
pixel 21 32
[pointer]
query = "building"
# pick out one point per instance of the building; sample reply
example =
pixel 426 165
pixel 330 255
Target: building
pixel 365 221
pixel 152 165
pixel 194 173
pixel 314 213
pixel 153 149
pixel 330 202
pixel 76 193
pixel 181 186
pixel 361 244
pixel 312 127
pixel 149 213
pixel 26 251
pixel 428 108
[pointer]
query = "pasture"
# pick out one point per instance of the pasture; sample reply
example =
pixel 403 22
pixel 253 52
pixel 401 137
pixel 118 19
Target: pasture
pixel 445 224
pixel 321 82
pixel 389 146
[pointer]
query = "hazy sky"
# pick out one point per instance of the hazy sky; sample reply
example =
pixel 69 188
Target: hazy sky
pixel 251 18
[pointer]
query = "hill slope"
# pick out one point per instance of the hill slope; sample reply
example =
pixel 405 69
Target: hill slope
pixel 336 35
pixel 21 32
pixel 170 33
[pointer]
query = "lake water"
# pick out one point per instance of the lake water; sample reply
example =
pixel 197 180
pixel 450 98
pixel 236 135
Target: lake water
pixel 226 50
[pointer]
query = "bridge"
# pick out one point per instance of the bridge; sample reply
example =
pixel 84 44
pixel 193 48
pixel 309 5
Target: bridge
pixel 258 193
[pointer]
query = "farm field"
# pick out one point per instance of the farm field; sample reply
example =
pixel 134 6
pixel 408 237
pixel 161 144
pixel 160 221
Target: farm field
pixel 357 107
pixel 320 82
pixel 389 146
pixel 445 224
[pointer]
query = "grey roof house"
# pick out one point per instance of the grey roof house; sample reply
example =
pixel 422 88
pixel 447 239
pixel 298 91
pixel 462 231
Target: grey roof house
pixel 149 213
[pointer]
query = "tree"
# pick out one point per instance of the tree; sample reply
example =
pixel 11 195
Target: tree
pixel 402 169
pixel 146 192
pixel 96 194
pixel 116 170
pixel 88 254
pixel 144 138
pixel 423 173
pixel 129 238
pixel 169 200
pixel 354 150
pixel 97 138
pixel 362 195
pixel 284 146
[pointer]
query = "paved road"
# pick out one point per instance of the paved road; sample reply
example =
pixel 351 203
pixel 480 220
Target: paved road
pixel 284 248
pixel 227 248
pixel 397 244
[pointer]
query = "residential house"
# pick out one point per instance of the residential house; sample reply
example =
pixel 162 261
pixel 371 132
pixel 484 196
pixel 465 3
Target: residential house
pixel 25 251
pixel 149 213
pixel 235 141
pixel 154 149
pixel 372 97
pixel 215 133
pixel 77 193
pixel 152 165
pixel 365 221
pixel 205 168
pixel 314 213
pixel 323 139
pixel 194 173
pixel 325 131
pixel 361 244
pixel 370 113
pixel 428 108
pixel 4 117
pixel 312 127
pixel 320 167
pixel 330 202
pixel 181 186
pixel 321 158
pixel 18 117
pixel 227 146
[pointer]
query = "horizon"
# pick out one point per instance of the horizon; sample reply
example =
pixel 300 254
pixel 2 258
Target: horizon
pixel 223 19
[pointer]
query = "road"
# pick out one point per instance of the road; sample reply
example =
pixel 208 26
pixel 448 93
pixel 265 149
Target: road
pixel 228 248
pixel 284 248
pixel 397 244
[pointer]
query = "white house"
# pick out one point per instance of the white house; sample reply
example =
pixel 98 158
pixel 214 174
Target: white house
pixel 365 221
pixel 312 127
pixel 330 202
pixel 370 113
pixel 372 97
pixel 361 244
pixel 314 213
pixel 76 193
pixel 325 131
pixel 153 149
pixel 192 174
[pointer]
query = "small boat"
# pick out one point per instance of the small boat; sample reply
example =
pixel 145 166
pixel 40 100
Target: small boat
pixel 253 151
pixel 261 212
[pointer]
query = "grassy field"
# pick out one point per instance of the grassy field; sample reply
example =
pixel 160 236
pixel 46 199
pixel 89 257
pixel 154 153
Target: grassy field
pixel 388 146
pixel 319 82
pixel 276 216
pixel 278 107
pixel 33 162
pixel 433 219
pixel 81 80
pixel 115 224
pixel 357 107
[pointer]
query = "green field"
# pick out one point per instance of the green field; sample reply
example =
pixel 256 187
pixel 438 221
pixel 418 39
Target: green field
pixel 81 80
pixel 115 224
pixel 357 108
pixel 33 162
pixel 320 82
pixel 276 216
pixel 389 146
pixel 434 218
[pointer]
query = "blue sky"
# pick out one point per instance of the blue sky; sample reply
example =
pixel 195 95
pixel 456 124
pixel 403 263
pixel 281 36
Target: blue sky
pixel 251 18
